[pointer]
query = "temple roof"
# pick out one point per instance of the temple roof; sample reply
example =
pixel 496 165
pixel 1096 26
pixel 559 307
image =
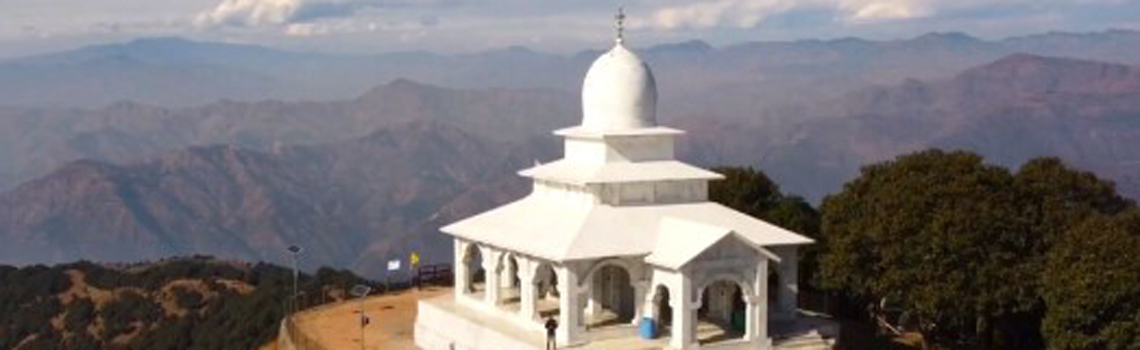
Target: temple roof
pixel 680 241
pixel 576 173
pixel 561 230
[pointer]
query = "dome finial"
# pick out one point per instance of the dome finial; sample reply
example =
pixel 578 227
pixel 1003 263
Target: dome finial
pixel 619 24
pixel 619 92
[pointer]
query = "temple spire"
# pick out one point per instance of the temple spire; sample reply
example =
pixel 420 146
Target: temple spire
pixel 619 24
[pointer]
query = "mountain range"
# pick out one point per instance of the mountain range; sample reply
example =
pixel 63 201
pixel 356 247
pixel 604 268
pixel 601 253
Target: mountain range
pixel 361 179
pixel 176 72
pixel 35 141
pixel 351 203
pixel 1014 109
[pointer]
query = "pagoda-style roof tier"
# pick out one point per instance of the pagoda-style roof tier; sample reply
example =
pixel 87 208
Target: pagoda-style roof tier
pixel 583 132
pixel 566 171
pixel 559 230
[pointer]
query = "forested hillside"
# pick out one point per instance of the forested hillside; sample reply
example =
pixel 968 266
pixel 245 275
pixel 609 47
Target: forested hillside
pixel 192 303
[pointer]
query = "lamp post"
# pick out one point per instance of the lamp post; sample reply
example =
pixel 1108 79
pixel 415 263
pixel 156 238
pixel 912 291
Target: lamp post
pixel 294 251
pixel 360 291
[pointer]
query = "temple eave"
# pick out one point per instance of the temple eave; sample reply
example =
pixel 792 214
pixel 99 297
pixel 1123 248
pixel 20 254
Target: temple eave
pixel 618 172
pixel 583 132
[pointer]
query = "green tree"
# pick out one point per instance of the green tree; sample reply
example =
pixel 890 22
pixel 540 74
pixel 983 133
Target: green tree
pixel 230 318
pixel 80 314
pixel 958 244
pixel 1053 198
pixel 752 192
pixel 933 233
pixel 745 189
pixel 1092 286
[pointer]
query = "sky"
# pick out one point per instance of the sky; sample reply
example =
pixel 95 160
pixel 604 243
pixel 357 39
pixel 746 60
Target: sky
pixel 560 26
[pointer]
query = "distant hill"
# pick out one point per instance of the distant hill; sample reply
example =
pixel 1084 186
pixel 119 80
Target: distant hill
pixel 1011 110
pixel 178 73
pixel 176 304
pixel 349 204
pixel 165 71
pixel 35 141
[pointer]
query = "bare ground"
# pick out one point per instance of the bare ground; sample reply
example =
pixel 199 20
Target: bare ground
pixel 392 319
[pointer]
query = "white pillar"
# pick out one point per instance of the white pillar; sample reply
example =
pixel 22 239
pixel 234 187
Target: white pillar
pixel 529 290
pixel 462 273
pixel 569 307
pixel 639 308
pixel 684 314
pixel 756 323
pixel 491 279
pixel 789 283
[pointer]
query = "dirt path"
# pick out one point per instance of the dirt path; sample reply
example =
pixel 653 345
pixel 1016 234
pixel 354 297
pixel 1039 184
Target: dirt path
pixel 393 316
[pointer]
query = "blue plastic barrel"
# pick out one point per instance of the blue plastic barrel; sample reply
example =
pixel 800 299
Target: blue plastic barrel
pixel 648 328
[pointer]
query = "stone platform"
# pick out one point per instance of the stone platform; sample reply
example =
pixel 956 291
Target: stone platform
pixel 444 325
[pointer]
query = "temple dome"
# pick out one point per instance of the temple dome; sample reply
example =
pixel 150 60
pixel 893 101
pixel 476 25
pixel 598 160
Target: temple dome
pixel 619 93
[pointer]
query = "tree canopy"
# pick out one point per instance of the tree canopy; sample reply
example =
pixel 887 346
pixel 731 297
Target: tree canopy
pixel 751 191
pixel 1093 285
pixel 956 244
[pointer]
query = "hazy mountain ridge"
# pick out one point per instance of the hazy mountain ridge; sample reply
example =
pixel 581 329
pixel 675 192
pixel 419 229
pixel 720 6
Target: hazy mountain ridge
pixel 179 72
pixel 1011 110
pixel 769 83
pixel 36 141
pixel 318 175
pixel 348 203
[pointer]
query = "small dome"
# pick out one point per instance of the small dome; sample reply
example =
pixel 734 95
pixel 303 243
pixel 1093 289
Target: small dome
pixel 619 93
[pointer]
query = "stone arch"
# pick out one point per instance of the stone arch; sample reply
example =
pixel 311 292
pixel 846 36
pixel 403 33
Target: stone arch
pixel 723 303
pixel 545 279
pixel 740 281
pixel 623 263
pixel 545 293
pixel 508 272
pixel 473 260
pixel 612 296
pixel 509 263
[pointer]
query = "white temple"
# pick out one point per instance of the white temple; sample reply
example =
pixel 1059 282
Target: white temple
pixel 618 241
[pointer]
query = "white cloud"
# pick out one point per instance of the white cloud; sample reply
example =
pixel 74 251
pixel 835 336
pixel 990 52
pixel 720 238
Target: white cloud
pixel 252 13
pixel 749 13
pixel 882 10
pixel 306 29
pixel 262 13
pixel 561 26
pixel 704 14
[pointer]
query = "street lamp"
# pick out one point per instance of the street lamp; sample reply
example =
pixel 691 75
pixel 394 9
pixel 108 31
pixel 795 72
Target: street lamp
pixel 360 291
pixel 295 251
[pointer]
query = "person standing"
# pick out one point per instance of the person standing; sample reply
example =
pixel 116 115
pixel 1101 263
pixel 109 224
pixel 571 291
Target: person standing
pixel 551 327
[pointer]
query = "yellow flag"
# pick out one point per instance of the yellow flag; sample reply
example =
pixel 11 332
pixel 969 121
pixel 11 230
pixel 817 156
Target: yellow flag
pixel 414 259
